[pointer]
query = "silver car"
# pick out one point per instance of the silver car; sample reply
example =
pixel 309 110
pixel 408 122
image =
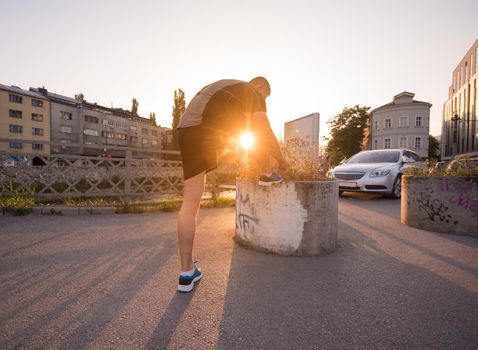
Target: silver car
pixel 377 171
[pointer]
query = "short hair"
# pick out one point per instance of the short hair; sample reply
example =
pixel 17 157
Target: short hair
pixel 262 81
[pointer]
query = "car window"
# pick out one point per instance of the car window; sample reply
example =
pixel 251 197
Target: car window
pixel 416 157
pixel 375 157
pixel 407 156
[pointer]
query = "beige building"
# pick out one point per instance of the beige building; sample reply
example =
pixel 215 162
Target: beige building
pixel 402 123
pixel 24 121
pixel 460 111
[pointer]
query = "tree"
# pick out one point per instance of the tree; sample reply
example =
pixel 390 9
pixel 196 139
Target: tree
pixel 347 133
pixel 152 117
pixel 178 109
pixel 433 148
pixel 134 107
pixel 80 97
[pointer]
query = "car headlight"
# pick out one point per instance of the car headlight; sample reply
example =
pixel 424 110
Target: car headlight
pixel 378 173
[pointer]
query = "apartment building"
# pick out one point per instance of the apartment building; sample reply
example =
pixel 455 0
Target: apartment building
pixel 402 123
pixel 460 111
pixel 24 121
pixel 84 128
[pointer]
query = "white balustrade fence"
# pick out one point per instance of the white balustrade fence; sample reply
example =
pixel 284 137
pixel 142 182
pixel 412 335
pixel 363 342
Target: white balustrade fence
pixel 70 176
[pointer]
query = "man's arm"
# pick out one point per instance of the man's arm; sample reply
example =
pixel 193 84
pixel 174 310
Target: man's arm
pixel 265 138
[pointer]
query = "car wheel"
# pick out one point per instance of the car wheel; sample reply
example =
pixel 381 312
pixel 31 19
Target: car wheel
pixel 397 188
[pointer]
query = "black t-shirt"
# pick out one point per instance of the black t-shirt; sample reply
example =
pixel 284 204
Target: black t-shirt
pixel 226 105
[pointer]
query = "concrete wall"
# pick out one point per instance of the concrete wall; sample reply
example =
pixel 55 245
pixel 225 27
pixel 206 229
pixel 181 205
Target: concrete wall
pixel 306 129
pixel 292 218
pixel 441 204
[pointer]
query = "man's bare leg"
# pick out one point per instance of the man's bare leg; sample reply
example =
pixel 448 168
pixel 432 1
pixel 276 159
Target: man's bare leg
pixel 193 191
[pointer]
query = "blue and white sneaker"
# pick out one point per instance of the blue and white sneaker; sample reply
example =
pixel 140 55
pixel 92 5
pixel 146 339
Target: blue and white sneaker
pixel 186 283
pixel 274 178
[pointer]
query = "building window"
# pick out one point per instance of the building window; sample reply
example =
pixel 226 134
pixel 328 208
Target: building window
pixel 108 134
pixel 133 128
pixel 387 143
pixel 466 71
pixel 144 130
pixel 121 136
pixel 375 144
pixel 16 98
pixel 403 142
pixel 375 125
pixel 15 114
pixel 121 125
pixel 403 122
pixel 37 131
pixel 37 117
pixel 16 145
pixel 17 129
pixel 418 142
pixel 388 123
pixel 134 138
pixel 144 141
pixel 66 115
pixel 91 132
pixel 154 142
pixel 66 129
pixel 37 103
pixel 418 120
pixel 108 122
pixel 91 119
pixel 37 146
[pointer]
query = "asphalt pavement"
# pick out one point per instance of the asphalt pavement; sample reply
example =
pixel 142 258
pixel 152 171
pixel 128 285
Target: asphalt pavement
pixel 109 282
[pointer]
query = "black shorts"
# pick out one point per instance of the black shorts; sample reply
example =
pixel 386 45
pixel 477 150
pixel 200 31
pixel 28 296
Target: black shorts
pixel 198 146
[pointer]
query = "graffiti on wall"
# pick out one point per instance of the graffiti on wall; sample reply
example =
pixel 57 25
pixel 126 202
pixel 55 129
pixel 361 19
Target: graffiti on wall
pixel 462 194
pixel 434 208
pixel 245 222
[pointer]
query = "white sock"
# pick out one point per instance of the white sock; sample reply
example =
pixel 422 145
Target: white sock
pixel 187 273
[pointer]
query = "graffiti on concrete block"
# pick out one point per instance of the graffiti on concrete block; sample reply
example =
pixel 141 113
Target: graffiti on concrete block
pixel 464 202
pixel 246 222
pixel 434 208
pixel 244 199
pixel 464 194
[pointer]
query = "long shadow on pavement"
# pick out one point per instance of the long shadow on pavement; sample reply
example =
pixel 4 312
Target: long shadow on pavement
pixel 169 321
pixel 132 264
pixel 357 297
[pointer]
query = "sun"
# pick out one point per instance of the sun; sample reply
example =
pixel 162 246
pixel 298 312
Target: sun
pixel 247 140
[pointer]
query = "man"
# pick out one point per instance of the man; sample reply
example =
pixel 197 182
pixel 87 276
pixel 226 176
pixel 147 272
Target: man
pixel 218 113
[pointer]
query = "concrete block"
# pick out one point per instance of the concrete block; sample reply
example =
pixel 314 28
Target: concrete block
pixel 447 204
pixel 291 218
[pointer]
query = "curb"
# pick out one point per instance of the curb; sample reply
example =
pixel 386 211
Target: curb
pixel 70 211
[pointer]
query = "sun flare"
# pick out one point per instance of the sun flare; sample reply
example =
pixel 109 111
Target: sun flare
pixel 247 140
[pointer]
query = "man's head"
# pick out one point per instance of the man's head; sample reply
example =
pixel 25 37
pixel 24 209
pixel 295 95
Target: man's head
pixel 262 86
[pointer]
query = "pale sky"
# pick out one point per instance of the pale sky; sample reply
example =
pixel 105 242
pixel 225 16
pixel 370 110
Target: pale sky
pixel 319 56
